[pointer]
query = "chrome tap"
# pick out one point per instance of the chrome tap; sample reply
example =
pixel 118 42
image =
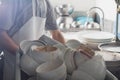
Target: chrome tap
pixel 88 15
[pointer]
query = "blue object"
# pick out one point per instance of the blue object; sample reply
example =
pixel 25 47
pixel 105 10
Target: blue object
pixel 84 19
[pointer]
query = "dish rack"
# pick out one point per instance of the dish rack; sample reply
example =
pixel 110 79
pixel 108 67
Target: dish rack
pixel 109 75
pixel 18 76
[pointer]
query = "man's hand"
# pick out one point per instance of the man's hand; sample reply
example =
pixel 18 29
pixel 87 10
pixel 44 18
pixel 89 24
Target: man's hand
pixel 56 34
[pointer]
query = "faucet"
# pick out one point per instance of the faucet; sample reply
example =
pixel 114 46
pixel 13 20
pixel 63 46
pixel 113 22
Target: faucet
pixel 88 14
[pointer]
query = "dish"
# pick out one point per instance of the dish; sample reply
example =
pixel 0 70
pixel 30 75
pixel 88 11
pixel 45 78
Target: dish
pixel 43 48
pixel 99 37
pixel 111 47
pixel 51 70
pixel 73 43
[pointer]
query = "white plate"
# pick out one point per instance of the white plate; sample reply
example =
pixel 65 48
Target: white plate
pixel 77 35
pixel 99 37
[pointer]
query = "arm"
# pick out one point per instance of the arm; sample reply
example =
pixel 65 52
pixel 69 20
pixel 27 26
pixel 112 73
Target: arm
pixel 6 21
pixel 56 34
pixel 7 43
pixel 51 24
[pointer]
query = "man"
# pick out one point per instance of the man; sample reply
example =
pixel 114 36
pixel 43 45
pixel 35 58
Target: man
pixel 24 20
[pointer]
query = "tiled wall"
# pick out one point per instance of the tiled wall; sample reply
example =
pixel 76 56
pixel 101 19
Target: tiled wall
pixel 109 25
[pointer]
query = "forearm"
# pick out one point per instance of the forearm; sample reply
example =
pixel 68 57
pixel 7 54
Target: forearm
pixel 56 34
pixel 7 43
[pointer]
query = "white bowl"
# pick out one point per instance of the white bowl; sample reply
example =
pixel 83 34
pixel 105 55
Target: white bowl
pixel 73 43
pixel 26 45
pixel 69 61
pixel 28 65
pixel 95 67
pixel 80 58
pixel 44 53
pixel 52 70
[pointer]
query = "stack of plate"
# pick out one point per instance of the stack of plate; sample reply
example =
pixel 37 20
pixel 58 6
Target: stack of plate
pixel 95 38
pixel 98 37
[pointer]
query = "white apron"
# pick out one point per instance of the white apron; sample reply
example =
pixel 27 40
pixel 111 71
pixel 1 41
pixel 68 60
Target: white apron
pixel 32 30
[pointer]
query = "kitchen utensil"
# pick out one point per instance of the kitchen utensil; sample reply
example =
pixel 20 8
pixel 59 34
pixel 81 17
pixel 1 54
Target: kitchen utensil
pixel 26 44
pixel 80 58
pixel 25 58
pixel 99 37
pixel 112 47
pixel 64 9
pixel 34 57
pixel 51 70
pixel 75 24
pixel 64 22
pixel 28 65
pixel 42 54
pixel 92 25
pixel 69 60
pixel 73 43
pixel 48 41
pixel 64 26
pixel 63 50
pixel 95 67
pixel 112 60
